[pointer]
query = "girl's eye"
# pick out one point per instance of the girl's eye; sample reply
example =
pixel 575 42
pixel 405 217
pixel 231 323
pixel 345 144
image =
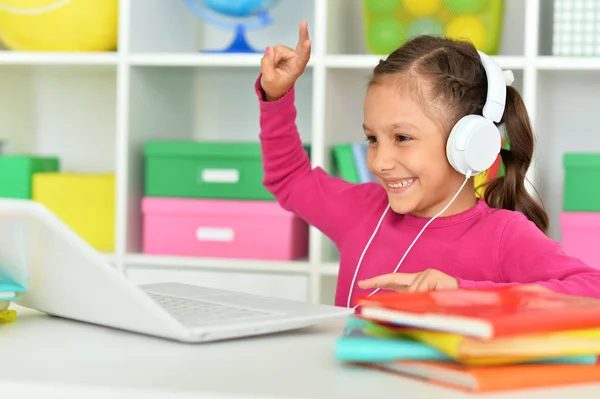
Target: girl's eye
pixel 402 137
pixel 371 139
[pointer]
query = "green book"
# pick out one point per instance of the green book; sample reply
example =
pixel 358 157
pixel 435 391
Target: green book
pixel 344 162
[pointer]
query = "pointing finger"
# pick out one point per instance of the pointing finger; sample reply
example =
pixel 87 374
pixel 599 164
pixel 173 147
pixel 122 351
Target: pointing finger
pixel 304 55
pixel 303 47
pixel 303 36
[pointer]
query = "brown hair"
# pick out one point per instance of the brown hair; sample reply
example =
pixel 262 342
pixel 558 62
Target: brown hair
pixel 456 83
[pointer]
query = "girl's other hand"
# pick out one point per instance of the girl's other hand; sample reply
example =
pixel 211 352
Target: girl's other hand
pixel 428 280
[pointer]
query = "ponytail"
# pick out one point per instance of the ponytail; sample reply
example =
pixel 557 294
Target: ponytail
pixel 508 191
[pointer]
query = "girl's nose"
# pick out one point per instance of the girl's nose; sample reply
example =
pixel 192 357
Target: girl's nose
pixel 383 160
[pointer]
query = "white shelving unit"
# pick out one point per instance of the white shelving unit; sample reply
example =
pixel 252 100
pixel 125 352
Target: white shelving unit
pixel 95 111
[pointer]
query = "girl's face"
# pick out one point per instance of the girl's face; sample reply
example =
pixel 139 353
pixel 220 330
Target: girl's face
pixel 407 153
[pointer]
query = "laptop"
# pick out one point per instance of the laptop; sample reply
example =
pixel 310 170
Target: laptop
pixel 66 277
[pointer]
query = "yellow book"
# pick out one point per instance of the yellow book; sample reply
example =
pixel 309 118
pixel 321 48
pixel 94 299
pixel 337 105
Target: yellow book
pixel 505 350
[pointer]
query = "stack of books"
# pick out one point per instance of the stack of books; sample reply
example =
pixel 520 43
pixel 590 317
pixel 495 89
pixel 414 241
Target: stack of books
pixel 10 291
pixel 477 340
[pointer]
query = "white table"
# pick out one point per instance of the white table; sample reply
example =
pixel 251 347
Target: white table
pixel 55 358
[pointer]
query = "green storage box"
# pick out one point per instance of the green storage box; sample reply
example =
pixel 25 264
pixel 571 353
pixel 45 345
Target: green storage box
pixel 205 169
pixel 16 172
pixel 581 182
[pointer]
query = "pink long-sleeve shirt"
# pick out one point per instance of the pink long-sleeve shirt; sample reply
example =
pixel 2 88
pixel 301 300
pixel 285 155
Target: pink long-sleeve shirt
pixel 480 247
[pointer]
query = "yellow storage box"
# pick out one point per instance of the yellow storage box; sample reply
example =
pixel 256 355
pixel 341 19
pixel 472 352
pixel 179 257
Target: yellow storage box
pixel 86 202
pixel 59 25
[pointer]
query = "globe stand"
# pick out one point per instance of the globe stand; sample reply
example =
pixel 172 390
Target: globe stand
pixel 239 44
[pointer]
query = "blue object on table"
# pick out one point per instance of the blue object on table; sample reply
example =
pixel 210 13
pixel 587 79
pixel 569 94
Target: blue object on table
pixel 355 346
pixel 234 9
pixel 9 288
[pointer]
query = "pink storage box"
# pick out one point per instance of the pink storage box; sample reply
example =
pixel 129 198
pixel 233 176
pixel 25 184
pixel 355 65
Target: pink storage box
pixel 222 228
pixel 581 236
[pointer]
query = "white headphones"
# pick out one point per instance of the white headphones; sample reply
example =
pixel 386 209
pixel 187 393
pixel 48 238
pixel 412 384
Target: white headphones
pixel 472 146
pixel 474 142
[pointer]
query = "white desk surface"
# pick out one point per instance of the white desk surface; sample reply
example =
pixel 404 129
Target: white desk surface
pixel 55 358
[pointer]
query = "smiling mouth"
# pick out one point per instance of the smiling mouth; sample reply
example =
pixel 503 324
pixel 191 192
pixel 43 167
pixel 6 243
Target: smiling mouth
pixel 401 184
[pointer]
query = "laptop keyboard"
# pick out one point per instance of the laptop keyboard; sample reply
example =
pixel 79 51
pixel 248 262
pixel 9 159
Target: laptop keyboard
pixel 199 313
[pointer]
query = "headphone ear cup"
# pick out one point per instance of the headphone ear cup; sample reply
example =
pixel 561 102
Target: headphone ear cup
pixel 473 144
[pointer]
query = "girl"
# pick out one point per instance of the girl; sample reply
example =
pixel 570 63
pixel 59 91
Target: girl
pixel 414 99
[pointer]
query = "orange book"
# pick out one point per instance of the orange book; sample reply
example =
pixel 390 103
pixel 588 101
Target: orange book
pixel 494 378
pixel 484 313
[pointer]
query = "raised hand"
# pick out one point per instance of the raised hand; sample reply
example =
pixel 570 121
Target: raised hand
pixel 281 66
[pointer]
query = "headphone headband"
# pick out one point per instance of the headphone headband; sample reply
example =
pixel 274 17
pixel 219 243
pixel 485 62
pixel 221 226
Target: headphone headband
pixel 496 91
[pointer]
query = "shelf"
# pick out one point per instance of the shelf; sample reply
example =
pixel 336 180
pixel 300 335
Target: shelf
pixel 333 61
pixel 43 58
pixel 186 104
pixel 225 264
pixel 329 269
pixel 352 61
pixel 337 61
pixel 368 61
pixel 96 110
pixel 198 60
pixel 568 103
pixel 568 63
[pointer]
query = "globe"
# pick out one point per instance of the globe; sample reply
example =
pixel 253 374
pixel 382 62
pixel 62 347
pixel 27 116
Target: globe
pixel 257 9
pixel 239 8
